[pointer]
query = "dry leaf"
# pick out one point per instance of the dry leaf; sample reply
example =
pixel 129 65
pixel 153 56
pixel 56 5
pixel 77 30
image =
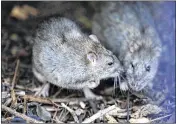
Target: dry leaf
pixel 43 113
pixel 110 119
pixel 146 110
pixel 139 120
pixel 116 111
pixel 23 12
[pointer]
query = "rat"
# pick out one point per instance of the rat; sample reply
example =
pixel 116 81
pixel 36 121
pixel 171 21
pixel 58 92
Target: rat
pixel 127 29
pixel 68 58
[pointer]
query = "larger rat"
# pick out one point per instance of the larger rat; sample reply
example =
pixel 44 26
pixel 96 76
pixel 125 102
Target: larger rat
pixel 68 58
pixel 127 29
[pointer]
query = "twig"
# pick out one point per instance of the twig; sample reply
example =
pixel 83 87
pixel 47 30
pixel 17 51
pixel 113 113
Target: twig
pixel 128 103
pixel 23 88
pixel 40 100
pixel 13 95
pixel 37 99
pixel 54 116
pixel 75 100
pixel 99 114
pixel 14 99
pixel 57 93
pixel 57 121
pixel 160 118
pixel 25 106
pixel 61 113
pixel 71 111
pixel 50 101
pixel 94 108
pixel 15 75
pixel 28 119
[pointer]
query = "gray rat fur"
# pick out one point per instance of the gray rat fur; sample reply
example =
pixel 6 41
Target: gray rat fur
pixel 127 29
pixel 68 58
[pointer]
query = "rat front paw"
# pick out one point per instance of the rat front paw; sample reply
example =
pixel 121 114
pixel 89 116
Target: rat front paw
pixel 93 84
pixel 90 95
pixel 95 97
pixel 123 86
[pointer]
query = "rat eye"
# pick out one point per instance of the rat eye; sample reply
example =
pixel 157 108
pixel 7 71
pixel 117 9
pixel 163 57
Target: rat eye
pixel 147 68
pixel 110 63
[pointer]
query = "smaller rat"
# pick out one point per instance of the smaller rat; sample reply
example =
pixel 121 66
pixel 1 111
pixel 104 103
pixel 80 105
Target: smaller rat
pixel 68 58
pixel 127 29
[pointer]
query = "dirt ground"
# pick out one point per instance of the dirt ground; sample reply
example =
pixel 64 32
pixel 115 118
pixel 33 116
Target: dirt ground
pixel 18 23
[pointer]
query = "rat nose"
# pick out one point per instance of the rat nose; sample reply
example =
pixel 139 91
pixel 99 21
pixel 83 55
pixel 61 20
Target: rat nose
pixel 133 84
pixel 123 73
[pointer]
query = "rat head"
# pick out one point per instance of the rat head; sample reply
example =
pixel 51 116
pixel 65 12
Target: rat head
pixel 140 63
pixel 103 63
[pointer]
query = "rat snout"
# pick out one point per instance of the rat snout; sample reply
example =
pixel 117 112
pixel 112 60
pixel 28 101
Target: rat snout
pixel 118 71
pixel 123 74
pixel 119 68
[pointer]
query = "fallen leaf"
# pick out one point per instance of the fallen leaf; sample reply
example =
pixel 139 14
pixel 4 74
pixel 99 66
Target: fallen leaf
pixel 139 120
pixel 110 119
pixel 23 12
pixel 146 110
pixel 43 113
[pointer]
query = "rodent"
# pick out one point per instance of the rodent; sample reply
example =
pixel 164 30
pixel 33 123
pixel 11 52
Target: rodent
pixel 68 58
pixel 127 29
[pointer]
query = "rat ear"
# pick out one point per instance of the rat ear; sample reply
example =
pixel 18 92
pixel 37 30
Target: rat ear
pixel 92 57
pixel 94 38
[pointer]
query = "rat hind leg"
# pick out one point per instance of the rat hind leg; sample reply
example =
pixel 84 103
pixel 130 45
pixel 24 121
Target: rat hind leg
pixel 40 77
pixel 44 89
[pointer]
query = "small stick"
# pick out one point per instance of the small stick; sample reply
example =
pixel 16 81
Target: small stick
pixel 14 99
pixel 25 106
pixel 37 99
pixel 75 100
pixel 57 93
pixel 128 106
pixel 13 95
pixel 160 118
pixel 71 111
pixel 28 119
pixel 48 101
pixel 99 114
pixel 40 100
pixel 94 108
pixel 55 114
pixel 15 75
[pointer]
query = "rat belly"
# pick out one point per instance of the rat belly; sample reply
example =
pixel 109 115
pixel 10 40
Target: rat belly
pixel 71 81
